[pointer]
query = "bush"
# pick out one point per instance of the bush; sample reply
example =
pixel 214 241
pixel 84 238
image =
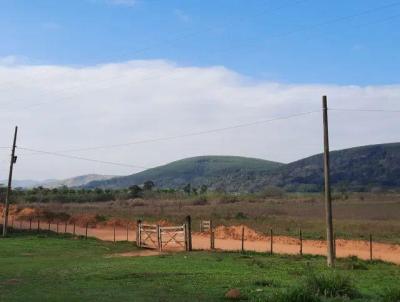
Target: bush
pixel 240 215
pixel 200 201
pixel 331 285
pixel 391 295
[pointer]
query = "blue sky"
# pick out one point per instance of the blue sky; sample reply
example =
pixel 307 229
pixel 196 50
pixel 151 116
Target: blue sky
pixel 79 74
pixel 283 41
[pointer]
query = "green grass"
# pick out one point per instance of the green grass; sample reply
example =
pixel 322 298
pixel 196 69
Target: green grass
pixel 59 268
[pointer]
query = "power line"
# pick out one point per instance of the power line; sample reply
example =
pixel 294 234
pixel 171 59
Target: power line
pixel 215 130
pixel 364 110
pixel 82 158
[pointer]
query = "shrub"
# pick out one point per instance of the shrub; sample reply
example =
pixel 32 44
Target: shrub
pixel 331 285
pixel 240 215
pixel 391 295
pixel 200 201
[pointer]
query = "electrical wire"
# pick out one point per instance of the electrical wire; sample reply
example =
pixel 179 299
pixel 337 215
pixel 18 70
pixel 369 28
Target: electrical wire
pixel 363 110
pixel 82 158
pixel 174 137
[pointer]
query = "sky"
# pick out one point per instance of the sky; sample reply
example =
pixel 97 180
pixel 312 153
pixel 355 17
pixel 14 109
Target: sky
pixel 130 76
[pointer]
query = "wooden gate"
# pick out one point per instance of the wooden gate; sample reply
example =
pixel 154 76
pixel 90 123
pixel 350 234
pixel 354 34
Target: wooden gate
pixel 157 237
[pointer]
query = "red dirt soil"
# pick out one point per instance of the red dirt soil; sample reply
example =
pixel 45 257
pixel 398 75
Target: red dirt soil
pixel 228 238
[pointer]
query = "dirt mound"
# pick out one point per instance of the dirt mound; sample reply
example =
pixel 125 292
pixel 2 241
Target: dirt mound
pixel 28 213
pixel 235 232
pixel 83 219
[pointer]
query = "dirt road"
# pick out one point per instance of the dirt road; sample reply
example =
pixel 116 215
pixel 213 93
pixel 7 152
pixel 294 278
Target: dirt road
pixel 281 244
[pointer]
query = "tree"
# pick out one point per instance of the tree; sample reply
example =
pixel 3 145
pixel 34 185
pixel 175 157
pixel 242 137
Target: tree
pixel 203 189
pixel 148 185
pixel 187 189
pixel 135 191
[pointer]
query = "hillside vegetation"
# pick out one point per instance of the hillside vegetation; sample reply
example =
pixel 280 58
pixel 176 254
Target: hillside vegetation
pixel 373 167
pixel 216 172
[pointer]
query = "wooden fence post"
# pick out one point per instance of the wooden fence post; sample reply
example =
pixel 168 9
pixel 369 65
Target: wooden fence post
pixel 74 230
pixel 114 232
pixel 86 231
pixel 272 242
pixel 38 225
pixel 138 233
pixel 65 228
pixel 12 221
pixel 159 240
pixel 30 224
pixel 49 225
pixel 370 247
pixel 301 242
pixel 57 226
pixel 212 238
pixel 242 239
pixel 189 232
pixel 334 245
pixel 127 232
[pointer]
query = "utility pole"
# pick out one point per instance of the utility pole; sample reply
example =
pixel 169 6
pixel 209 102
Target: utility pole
pixel 328 199
pixel 7 203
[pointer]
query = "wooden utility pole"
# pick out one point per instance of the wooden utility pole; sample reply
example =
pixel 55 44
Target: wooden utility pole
pixel 328 199
pixel 7 203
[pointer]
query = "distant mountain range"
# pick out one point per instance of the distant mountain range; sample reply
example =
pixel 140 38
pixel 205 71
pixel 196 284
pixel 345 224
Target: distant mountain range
pixel 372 167
pixel 78 181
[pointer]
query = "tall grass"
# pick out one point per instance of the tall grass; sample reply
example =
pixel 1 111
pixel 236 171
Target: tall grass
pixel 331 285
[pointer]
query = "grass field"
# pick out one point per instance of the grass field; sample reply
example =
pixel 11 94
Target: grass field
pixel 59 268
pixel 355 216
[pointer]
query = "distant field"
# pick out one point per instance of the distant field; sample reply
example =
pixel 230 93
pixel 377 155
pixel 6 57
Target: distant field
pixel 355 216
pixel 58 268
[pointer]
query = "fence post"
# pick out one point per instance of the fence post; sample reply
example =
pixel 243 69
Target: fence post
pixel 242 239
pixel 189 232
pixel 57 226
pixel 38 225
pixel 20 224
pixel 30 224
pixel 159 238
pixel 370 247
pixel 334 245
pixel 114 232
pixel 201 226
pixel 49 225
pixel 138 235
pixel 86 230
pixel 65 228
pixel 212 238
pixel 74 230
pixel 12 221
pixel 301 242
pixel 272 242
pixel 127 232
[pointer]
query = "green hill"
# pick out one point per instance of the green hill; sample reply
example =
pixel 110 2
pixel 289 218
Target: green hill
pixel 371 167
pixel 223 172
pixel 356 169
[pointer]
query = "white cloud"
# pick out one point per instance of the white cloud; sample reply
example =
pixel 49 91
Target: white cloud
pixel 59 107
